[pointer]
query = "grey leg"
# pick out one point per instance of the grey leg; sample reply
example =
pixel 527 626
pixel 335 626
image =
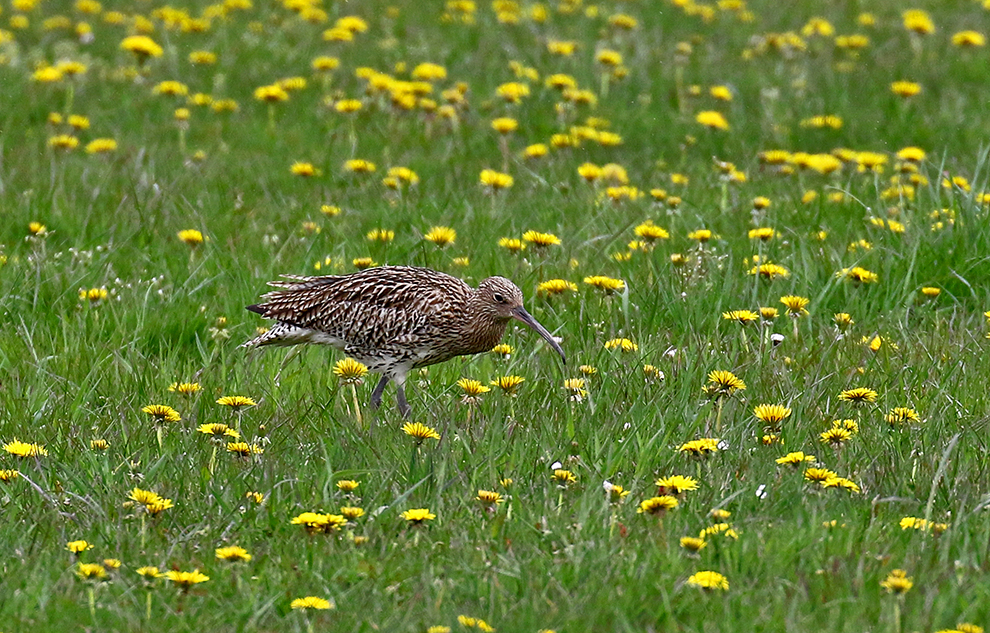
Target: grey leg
pixel 400 398
pixel 376 395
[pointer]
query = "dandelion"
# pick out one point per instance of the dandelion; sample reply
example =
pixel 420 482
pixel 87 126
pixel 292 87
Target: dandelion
pixel 304 169
pixel 721 382
pixel 512 245
pixel 743 317
pixel 836 436
pixel 101 146
pixel 473 390
pixel 243 449
pixel 819 475
pixel 651 232
pixel 676 484
pixel 606 284
pixel 161 413
pixel 218 431
pixel 78 547
pixel 185 388
pixel 796 306
pixel 858 275
pixel 623 344
pixel 712 119
pixel 359 166
pixel 311 602
pixel 858 395
pixel 693 544
pixel 842 320
pixel 840 482
pixel 441 236
pixel 420 432
pixel 564 477
pixel 186 579
pixel 489 498
pixel 349 371
pixel 418 516
pixel 902 415
pixel 701 235
pixel 348 485
pixel 897 582
pixel 24 449
pixel 795 459
pixel 657 506
pixel 700 448
pixel 233 554
pixel 351 513
pixel 148 573
pixel 142 47
pixel 508 384
pixel 918 21
pixel 63 141
pixel 493 180
pixel 615 492
pixel 236 403
pixel 553 287
pixel 380 235
pixel 709 580
pixel 769 314
pixel 192 237
pixel 91 571
pixel 575 386
pixel 7 475
pixel 771 414
pixel 905 89
pixel 541 240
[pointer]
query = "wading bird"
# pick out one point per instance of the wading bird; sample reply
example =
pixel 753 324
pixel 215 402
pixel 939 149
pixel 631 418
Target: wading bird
pixel 394 319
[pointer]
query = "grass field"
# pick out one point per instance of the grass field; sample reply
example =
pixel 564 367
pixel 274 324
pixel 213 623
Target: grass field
pixel 759 229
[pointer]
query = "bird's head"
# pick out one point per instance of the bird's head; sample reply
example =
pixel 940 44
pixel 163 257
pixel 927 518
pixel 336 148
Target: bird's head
pixel 502 300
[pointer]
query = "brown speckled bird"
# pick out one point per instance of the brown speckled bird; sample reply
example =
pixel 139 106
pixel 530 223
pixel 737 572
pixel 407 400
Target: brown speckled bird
pixel 394 319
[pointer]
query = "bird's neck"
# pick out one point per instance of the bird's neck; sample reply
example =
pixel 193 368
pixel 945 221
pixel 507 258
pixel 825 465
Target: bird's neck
pixel 481 334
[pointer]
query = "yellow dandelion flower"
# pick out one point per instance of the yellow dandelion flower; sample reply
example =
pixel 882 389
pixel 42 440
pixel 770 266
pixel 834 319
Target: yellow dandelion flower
pixel 349 371
pixel 771 414
pixel 796 306
pixel 233 554
pixel 712 119
pixel 236 402
pixel 418 516
pixel 858 395
pixel 420 432
pixel 795 459
pixel 441 236
pixel 311 602
pixel 623 344
pixel 743 317
pixel 23 449
pixel 676 484
pixel 192 237
pixel 709 580
pixel 724 382
pixel 243 449
pixel 607 284
pixel 897 582
pixel 494 180
pixel 186 579
pixel 541 240
pixel 508 384
pixel 91 571
pixel 657 506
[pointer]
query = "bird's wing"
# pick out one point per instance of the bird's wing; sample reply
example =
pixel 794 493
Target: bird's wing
pixel 373 308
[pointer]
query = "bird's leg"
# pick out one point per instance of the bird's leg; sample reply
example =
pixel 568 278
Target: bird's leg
pixel 400 399
pixel 376 395
pixel 400 394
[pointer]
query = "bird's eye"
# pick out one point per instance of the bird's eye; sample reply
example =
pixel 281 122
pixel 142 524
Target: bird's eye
pixel 499 298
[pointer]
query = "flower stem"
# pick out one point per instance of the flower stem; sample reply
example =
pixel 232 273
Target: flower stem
pixel 357 406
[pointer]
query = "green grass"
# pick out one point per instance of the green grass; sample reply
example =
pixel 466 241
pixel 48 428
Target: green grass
pixel 556 558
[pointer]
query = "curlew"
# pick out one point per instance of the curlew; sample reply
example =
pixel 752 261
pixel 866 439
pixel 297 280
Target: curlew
pixel 394 319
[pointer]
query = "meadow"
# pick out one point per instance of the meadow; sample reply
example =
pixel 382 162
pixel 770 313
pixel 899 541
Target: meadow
pixel 760 230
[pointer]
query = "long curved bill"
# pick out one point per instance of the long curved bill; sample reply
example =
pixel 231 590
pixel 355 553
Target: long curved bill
pixel 520 314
